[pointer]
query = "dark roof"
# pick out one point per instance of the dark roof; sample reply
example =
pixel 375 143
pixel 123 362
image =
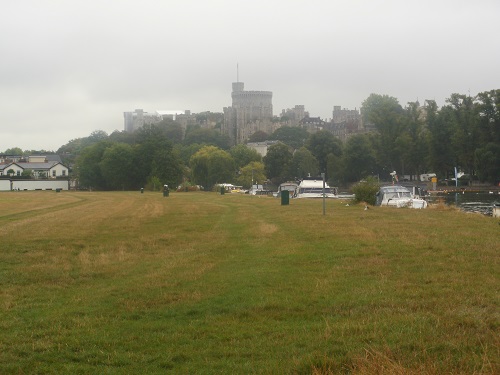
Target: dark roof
pixel 3 166
pixel 36 166
pixel 56 158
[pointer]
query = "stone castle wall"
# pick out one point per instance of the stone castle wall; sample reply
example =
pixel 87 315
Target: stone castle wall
pixel 251 111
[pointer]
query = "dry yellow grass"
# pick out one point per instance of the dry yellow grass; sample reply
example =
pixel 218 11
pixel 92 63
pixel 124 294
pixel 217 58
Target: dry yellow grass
pixel 126 282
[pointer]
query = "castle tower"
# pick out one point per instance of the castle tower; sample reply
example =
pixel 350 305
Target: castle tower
pixel 250 111
pixel 238 86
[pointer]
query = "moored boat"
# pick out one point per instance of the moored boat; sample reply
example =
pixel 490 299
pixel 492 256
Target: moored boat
pixel 291 187
pixel 313 188
pixel 398 196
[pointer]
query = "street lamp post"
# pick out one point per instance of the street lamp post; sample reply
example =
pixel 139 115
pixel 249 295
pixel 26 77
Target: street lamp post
pixel 324 195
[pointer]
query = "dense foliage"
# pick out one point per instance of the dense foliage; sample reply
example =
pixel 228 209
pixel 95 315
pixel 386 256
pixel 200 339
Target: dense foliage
pixel 366 190
pixel 211 165
pixel 415 139
pixel 277 162
pixel 465 133
pixel 146 158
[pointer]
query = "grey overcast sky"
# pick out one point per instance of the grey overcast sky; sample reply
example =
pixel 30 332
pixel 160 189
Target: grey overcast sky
pixel 69 67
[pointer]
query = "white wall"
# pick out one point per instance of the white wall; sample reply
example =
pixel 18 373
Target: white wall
pixel 40 184
pixel 4 185
pixel 260 147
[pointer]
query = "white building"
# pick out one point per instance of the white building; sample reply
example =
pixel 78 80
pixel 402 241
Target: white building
pixel 38 170
pixel 137 119
pixel 10 169
pixel 261 147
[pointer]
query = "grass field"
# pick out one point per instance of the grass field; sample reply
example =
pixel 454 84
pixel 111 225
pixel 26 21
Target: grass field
pixel 201 283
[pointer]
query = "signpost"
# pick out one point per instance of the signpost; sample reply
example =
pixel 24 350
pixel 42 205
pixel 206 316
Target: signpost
pixel 324 195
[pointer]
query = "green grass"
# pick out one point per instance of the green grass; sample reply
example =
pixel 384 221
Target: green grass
pixel 122 283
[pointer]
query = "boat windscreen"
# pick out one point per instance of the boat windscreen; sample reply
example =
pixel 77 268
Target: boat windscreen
pixel 313 191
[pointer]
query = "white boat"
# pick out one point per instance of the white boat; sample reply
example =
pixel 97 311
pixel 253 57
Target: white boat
pixel 398 196
pixel 257 189
pixel 313 188
pixel 291 187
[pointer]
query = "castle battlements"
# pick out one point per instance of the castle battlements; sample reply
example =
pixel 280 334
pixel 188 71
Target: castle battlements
pixel 250 111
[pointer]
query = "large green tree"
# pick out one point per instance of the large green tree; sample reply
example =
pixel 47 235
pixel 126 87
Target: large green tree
pixel 487 163
pixel 323 145
pixel 277 161
pixel 440 154
pixel 116 167
pixel 411 144
pixel 387 115
pixel 244 155
pixel 88 168
pixel 487 156
pixel 465 136
pixel 211 165
pixel 303 163
pixel 293 136
pixel 167 168
pixel 145 155
pixel 358 160
pixel 186 151
pixel 254 172
pixel 488 113
pixel 155 156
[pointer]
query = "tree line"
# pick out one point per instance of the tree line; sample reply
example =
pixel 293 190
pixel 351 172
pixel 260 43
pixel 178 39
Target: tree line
pixel 463 134
pixel 151 157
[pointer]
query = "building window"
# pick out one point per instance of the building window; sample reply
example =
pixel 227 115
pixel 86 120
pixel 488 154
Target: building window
pixel 63 173
pixel 18 173
pixel 54 173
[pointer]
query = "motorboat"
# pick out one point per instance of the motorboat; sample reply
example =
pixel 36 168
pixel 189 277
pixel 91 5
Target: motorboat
pixel 313 188
pixel 398 196
pixel 258 189
pixel 291 187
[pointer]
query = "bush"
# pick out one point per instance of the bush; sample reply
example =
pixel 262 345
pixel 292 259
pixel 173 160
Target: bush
pixel 365 191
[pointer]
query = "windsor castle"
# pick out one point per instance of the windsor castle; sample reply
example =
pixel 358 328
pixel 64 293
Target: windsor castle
pixel 252 112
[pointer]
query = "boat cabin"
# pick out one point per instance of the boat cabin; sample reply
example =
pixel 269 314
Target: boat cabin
pixel 311 188
pixel 291 187
pixel 398 196
pixel 394 195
